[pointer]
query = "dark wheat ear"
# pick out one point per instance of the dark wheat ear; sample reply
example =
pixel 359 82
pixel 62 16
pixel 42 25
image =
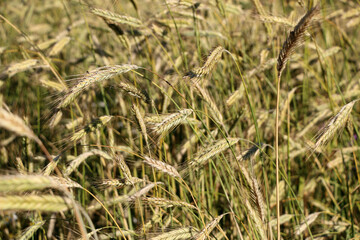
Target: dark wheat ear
pixel 296 38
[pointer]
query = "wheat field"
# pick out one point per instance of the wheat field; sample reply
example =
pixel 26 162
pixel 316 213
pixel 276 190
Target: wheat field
pixel 179 119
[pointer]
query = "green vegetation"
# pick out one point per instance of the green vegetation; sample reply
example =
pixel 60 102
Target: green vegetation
pixel 179 119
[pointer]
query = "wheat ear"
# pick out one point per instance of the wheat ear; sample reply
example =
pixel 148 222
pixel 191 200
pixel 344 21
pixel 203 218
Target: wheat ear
pixel 165 168
pixel 208 228
pixel 296 38
pixel 31 230
pixel 181 233
pixel 215 148
pixel 335 124
pixel 34 203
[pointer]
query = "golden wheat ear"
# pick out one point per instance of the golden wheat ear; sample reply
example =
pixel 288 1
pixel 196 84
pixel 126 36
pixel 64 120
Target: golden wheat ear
pixel 296 38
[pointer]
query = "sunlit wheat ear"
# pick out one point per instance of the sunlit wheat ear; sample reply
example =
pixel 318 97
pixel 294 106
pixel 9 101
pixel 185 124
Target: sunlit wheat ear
pixel 119 182
pixel 165 203
pixel 105 14
pixel 83 82
pixel 256 219
pixel 19 67
pixel 165 168
pixel 50 167
pixel 36 202
pixel 82 157
pixel 203 234
pixel 296 38
pixel 251 152
pixel 120 161
pixel 15 124
pixel 21 183
pixel 158 129
pixel 257 199
pixel 142 191
pixel 336 123
pixel 201 157
pixel 29 232
pixel 92 127
pixel 309 220
pixel 135 92
pixel 141 123
pixel 198 73
pixel 181 233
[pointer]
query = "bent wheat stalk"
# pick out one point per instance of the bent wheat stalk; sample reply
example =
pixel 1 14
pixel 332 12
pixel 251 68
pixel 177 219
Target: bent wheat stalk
pixel 293 41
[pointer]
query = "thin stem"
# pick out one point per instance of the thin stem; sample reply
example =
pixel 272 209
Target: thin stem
pixel 277 156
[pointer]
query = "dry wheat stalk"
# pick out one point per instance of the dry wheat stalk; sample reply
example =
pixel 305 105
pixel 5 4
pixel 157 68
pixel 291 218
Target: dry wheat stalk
pixel 105 14
pixel 335 124
pixel 165 168
pixel 181 233
pixel 215 148
pixel 31 230
pixel 198 73
pixel 208 228
pixel 163 202
pixel 49 203
pixel 296 38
